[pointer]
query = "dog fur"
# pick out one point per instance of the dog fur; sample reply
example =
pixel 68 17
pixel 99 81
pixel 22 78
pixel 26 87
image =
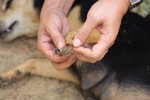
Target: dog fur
pixel 18 18
pixel 123 74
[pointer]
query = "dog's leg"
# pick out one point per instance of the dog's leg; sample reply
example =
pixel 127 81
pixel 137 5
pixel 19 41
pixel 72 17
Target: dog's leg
pixel 41 67
pixel 93 38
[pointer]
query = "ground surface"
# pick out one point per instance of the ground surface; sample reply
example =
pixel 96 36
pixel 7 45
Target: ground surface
pixel 34 87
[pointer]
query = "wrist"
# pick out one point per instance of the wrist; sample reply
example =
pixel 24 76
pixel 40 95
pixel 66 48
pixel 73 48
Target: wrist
pixel 62 5
pixel 124 6
pixel 120 7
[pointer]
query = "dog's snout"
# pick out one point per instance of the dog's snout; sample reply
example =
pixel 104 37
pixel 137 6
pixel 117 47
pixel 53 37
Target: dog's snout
pixel 2 26
pixel 7 28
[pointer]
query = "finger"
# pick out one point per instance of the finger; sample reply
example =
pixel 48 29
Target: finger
pixel 56 36
pixel 43 41
pixel 105 42
pixel 65 64
pixel 84 58
pixel 46 47
pixel 90 55
pixel 97 52
pixel 54 57
pixel 84 32
pixel 65 26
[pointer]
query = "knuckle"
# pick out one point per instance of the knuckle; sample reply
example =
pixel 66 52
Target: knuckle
pixel 94 17
pixel 83 34
pixel 56 59
pixel 55 36
pixel 40 48
pixel 94 57
pixel 93 61
pixel 110 41
pixel 49 27
pixel 69 61
pixel 57 67
pixel 81 59
pixel 59 59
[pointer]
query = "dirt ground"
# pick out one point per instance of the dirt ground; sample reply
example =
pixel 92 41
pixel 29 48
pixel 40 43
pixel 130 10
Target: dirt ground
pixel 33 87
pixel 38 88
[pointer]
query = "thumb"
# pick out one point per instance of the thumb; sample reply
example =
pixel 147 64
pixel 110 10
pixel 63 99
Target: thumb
pixel 84 32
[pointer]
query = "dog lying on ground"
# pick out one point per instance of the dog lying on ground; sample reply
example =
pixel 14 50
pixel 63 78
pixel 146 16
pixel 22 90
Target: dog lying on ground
pixel 123 74
pixel 9 32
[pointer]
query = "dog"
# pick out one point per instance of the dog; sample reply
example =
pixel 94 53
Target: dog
pixel 123 73
pixel 15 20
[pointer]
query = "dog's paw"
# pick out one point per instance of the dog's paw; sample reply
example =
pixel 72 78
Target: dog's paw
pixel 67 50
pixel 9 77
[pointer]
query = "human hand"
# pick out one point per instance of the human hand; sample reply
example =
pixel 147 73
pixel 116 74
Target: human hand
pixel 53 27
pixel 106 16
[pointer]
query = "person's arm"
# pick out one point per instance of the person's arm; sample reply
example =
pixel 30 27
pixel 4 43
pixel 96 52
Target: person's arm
pixel 63 5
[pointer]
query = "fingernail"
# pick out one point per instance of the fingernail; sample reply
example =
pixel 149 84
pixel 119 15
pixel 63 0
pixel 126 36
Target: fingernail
pixel 60 45
pixel 76 42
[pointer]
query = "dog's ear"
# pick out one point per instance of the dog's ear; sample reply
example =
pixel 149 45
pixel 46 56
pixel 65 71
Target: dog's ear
pixel 91 74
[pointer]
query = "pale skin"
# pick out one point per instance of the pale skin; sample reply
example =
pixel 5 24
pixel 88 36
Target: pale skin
pixel 104 15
